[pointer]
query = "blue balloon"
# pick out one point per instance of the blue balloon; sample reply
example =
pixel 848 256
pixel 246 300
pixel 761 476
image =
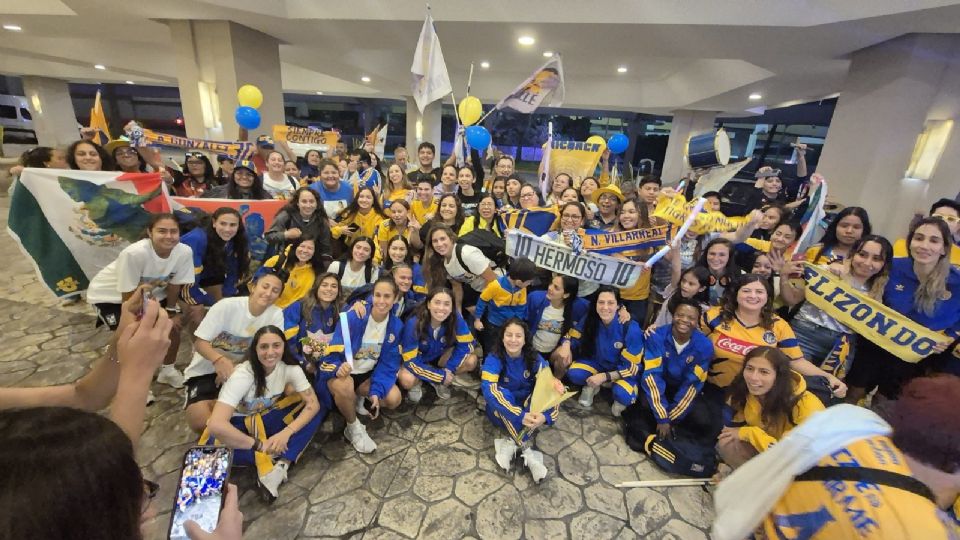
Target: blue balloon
pixel 618 143
pixel 247 117
pixel 478 137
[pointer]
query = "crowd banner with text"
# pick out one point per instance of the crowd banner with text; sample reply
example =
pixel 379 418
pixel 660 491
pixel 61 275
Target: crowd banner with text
pixel 869 318
pixel 676 209
pixel 305 135
pixel 578 159
pixel 74 223
pixel 544 87
pixel 537 220
pixel 560 258
pixel 145 137
pixel 257 217
pixel 609 243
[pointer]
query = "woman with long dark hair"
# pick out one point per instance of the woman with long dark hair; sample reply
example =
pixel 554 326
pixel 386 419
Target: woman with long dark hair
pixel 449 213
pixel 84 155
pixel 220 260
pixel 509 374
pixel 127 158
pixel 244 183
pixel 313 318
pixel 436 345
pixel 926 289
pixel 298 265
pixel 398 252
pixel 608 351
pixel 253 416
pixel 553 315
pixel 717 258
pixel 766 400
pixel 360 218
pixel 465 267
pixel 198 178
pixel 356 268
pixel 400 223
pixel 302 216
pixel 847 228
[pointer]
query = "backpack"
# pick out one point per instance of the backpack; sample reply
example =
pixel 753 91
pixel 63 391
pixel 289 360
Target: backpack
pixel 682 455
pixel 492 246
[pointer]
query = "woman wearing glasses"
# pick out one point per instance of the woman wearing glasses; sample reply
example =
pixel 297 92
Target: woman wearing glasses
pixel 197 178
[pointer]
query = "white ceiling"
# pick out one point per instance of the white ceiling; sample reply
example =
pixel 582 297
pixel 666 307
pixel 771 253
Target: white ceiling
pixel 691 54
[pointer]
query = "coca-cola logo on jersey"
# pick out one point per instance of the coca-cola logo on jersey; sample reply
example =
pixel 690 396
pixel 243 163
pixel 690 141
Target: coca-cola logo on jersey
pixel 735 346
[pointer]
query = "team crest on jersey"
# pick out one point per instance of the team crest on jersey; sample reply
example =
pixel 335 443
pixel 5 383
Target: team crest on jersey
pixel 390 338
pixel 443 340
pixel 946 295
pixel 330 321
pixel 769 338
pixel 689 359
pixel 618 345
pixel 526 374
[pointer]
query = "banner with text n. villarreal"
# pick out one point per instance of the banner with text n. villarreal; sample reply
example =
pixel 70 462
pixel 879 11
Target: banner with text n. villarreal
pixel 609 243
pixel 871 319
pixel 559 258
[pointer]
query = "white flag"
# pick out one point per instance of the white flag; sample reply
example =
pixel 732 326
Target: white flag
pixel 381 141
pixel 544 87
pixel 430 78
pixel 545 165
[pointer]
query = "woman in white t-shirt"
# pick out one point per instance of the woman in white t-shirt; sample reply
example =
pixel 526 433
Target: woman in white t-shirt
pixel 159 260
pixel 222 339
pixel 554 317
pixel 357 269
pixel 277 183
pixel 252 415
pixel 466 267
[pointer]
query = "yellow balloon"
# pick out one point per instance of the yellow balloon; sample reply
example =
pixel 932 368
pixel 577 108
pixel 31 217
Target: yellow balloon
pixel 470 110
pixel 596 139
pixel 250 96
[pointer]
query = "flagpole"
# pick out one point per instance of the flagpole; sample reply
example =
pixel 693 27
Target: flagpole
pixel 456 113
pixel 470 78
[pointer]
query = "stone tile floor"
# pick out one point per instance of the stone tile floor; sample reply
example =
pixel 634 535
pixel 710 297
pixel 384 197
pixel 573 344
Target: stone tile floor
pixel 433 475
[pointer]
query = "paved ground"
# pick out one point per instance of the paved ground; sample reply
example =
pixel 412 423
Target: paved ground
pixel 433 475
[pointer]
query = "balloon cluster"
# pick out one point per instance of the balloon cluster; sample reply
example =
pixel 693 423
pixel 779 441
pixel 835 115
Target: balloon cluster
pixel 470 110
pixel 250 98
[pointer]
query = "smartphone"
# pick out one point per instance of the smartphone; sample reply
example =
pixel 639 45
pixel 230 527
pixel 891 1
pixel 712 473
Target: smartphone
pixel 200 490
pixel 144 296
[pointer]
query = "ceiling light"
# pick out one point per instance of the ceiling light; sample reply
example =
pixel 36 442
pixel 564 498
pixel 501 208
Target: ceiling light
pixel 99 66
pixel 319 93
pixel 622 69
pixel 365 78
pixel 130 82
pixel 548 54
pixel 485 65
pixel 526 40
pixel 12 27
pixel 755 96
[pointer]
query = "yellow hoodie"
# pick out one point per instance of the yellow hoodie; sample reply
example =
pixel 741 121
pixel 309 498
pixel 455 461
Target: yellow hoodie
pixel 762 437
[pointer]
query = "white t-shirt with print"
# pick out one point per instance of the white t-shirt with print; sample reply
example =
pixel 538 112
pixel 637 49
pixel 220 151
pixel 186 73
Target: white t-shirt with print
pixel 279 189
pixel 366 355
pixel 240 389
pixel 351 280
pixel 476 263
pixel 547 333
pixel 229 327
pixel 138 263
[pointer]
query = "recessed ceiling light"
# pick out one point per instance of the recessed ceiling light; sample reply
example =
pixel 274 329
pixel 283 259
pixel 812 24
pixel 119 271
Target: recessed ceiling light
pixel 485 65
pixel 319 93
pixel 12 27
pixel 99 66
pixel 755 96
pixel 526 40
pixel 548 54
pixel 130 82
pixel 622 69
pixel 365 78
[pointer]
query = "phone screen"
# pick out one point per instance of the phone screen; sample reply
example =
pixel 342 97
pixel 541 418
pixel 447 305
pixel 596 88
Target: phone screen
pixel 200 490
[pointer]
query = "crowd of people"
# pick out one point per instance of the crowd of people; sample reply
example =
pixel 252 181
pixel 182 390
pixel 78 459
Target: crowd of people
pixel 380 284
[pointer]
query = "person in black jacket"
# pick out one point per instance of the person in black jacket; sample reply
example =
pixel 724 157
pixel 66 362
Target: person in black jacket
pixel 302 216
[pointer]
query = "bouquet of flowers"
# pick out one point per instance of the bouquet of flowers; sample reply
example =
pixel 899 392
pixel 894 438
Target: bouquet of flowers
pixel 314 345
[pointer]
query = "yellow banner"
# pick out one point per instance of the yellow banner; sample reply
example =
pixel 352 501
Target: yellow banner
pixel 302 135
pixel 578 159
pixel 609 243
pixel 676 209
pixel 869 318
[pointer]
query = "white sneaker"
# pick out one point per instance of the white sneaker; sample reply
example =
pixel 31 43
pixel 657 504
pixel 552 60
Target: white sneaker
pixel 151 399
pixel 617 408
pixel 361 410
pixel 271 481
pixel 586 396
pixel 356 433
pixel 415 394
pixel 533 459
pixel 505 449
pixel 169 375
pixel 443 391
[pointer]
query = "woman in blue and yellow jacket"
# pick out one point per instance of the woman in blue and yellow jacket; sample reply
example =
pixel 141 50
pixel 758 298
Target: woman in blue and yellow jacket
pixel 436 345
pixel 509 375
pixel 554 316
pixel 313 319
pixel 608 351
pixel 220 258
pixel 370 371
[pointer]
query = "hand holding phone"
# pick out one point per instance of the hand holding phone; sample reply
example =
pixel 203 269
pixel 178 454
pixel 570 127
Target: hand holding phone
pixel 230 526
pixel 199 496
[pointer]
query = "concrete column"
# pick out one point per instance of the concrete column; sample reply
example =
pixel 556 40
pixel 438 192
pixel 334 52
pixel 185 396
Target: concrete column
pixel 891 90
pixel 429 131
pixel 214 59
pixel 684 124
pixel 54 119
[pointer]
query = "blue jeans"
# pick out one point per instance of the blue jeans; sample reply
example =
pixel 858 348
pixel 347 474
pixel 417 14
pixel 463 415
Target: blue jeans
pixel 816 341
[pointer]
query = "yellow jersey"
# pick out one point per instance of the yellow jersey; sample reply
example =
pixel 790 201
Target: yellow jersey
pixel 732 341
pixel 298 283
pixel 420 210
pixel 762 436
pixel 862 510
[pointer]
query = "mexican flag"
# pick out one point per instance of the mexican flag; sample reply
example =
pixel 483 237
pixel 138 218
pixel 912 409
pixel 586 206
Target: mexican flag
pixel 74 223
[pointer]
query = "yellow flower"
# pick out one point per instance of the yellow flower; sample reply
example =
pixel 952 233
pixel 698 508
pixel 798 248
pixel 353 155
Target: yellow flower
pixel 67 284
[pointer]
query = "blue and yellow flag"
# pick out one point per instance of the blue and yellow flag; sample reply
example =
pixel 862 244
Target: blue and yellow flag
pixel 627 242
pixel 537 220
